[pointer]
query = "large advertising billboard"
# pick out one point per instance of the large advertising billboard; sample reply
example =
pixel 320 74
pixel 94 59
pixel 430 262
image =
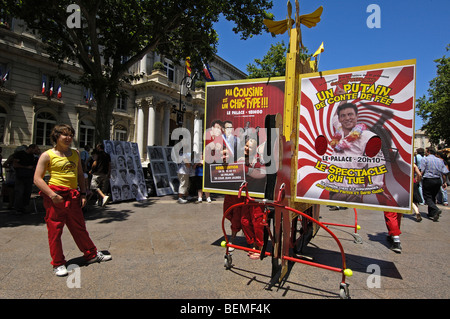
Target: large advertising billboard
pixel 356 130
pixel 235 144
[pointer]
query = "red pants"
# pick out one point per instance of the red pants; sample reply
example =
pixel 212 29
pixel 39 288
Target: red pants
pixel 393 221
pixel 234 215
pixel 252 217
pixel 68 213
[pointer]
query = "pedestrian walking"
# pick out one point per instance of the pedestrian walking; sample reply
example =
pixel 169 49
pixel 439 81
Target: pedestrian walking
pixel 101 172
pixel 434 175
pixel 183 173
pixel 24 165
pixel 442 197
pixel 416 193
pixel 393 221
pixel 420 153
pixel 198 182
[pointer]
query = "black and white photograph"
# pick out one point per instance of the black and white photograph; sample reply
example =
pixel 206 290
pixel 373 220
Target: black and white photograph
pixel 126 170
pixel 160 170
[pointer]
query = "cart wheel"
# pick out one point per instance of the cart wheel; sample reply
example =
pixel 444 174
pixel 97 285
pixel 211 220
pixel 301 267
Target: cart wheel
pixel 343 291
pixel 228 262
pixel 357 239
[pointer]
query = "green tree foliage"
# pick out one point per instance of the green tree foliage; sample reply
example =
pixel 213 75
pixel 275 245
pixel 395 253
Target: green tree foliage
pixel 115 34
pixel 435 109
pixel 273 63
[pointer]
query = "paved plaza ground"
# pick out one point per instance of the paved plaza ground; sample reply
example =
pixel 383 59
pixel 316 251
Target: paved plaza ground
pixel 163 250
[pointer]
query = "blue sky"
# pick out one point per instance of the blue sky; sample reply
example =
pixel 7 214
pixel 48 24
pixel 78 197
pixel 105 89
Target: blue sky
pixel 409 30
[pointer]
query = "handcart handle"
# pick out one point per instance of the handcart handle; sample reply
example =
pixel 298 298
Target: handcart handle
pixel 244 186
pixel 281 193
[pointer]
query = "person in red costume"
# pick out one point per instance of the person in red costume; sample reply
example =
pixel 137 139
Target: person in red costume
pixel 252 216
pixel 64 197
pixel 214 143
pixel 393 221
pixel 233 215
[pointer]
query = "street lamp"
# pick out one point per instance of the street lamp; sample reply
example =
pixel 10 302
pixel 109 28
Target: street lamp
pixel 181 106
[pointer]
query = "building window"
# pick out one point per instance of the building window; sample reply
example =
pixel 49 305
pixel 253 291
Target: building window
pixel 49 85
pixel 88 96
pixel 120 133
pixel 121 103
pixel 87 134
pixel 45 122
pixel 170 70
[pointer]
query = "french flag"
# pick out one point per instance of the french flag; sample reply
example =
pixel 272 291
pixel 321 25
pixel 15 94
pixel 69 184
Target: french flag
pixel 207 72
pixel 59 92
pixel 43 84
pixel 5 77
pixel 50 92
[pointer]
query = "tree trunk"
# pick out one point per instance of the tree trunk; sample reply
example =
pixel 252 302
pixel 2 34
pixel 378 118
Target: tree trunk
pixel 103 117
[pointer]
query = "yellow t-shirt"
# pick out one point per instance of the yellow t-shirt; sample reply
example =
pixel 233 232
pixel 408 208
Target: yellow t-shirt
pixel 63 170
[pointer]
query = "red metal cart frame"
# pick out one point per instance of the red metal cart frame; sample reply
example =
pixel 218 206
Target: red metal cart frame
pixel 285 256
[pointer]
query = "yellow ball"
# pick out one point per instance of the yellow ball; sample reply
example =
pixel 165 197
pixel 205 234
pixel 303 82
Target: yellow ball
pixel 223 243
pixel 348 272
pixel 358 227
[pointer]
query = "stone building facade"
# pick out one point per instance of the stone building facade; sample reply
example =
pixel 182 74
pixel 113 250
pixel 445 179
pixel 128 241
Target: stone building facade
pixel 147 115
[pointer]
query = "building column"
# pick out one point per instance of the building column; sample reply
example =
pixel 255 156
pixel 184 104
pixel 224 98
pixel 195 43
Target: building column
pixel 166 126
pixel 198 138
pixel 140 126
pixel 151 122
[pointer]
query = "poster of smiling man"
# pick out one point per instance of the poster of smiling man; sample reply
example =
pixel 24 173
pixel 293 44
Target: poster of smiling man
pixel 356 129
pixel 235 148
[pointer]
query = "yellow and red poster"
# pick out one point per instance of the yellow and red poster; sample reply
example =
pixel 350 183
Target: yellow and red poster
pixel 356 130
pixel 235 145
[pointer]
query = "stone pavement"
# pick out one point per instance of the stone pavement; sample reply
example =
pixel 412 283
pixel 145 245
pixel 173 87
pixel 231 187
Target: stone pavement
pixel 165 250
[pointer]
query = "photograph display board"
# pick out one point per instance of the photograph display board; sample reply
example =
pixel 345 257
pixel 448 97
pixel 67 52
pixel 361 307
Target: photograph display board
pixel 360 155
pixel 172 168
pixel 164 170
pixel 127 176
pixel 235 115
